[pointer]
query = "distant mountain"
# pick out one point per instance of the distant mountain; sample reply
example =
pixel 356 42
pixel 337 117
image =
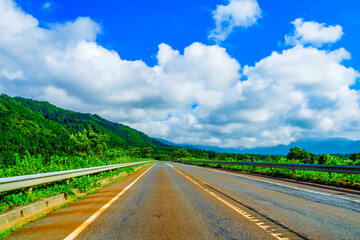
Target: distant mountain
pixel 314 145
pixel 42 128
pixel 188 146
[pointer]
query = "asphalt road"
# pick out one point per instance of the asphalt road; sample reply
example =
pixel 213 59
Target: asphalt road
pixel 310 210
pixel 188 202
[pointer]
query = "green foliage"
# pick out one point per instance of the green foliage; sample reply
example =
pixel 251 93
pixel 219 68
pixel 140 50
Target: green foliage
pixel 355 157
pixel 114 153
pixel 23 131
pixel 302 175
pixel 87 142
pixel 297 156
pixel 301 155
pixel 147 152
pixel 324 158
pixel 212 155
pixel 180 153
pixel 41 128
pixel 119 134
pixel 134 152
pixel 31 165
pixel 38 137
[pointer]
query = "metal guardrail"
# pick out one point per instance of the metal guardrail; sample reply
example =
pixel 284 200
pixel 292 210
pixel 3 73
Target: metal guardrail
pixel 311 167
pixel 26 181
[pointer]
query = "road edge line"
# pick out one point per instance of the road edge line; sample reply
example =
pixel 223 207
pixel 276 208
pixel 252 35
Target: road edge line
pixel 236 209
pixel 85 224
pixel 274 183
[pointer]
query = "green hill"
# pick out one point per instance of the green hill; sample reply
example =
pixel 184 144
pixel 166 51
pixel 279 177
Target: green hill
pixel 42 128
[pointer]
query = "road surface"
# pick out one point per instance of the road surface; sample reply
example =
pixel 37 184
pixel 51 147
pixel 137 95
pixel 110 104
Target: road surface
pixel 177 201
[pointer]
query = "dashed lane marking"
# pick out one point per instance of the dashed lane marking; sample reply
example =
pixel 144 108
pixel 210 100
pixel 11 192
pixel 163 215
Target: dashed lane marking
pixel 235 208
pixel 85 224
pixel 283 185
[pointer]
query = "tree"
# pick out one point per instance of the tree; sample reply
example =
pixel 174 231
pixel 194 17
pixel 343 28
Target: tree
pixel 147 152
pixel 180 153
pixel 324 158
pixel 354 157
pixel 301 155
pixel 88 142
pixel 135 152
pixel 212 155
pixel 162 157
pixel 98 142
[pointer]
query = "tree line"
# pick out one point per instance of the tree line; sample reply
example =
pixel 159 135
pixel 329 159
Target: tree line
pixel 35 128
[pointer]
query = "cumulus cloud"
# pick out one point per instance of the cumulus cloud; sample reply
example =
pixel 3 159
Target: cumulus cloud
pixel 299 92
pixel 238 13
pixel 313 33
pixel 202 96
pixel 304 91
pixel 46 5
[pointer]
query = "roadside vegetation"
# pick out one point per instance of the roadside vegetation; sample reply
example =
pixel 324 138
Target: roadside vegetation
pixel 295 156
pixel 41 128
pixel 37 137
pixel 88 149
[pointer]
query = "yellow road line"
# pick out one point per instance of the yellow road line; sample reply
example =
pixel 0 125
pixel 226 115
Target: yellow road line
pixel 278 184
pixel 237 209
pixel 85 224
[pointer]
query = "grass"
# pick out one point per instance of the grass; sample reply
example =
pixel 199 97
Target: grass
pixel 344 179
pixel 30 165
pixel 129 170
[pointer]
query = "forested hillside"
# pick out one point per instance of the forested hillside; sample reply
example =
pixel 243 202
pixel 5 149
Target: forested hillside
pixel 41 128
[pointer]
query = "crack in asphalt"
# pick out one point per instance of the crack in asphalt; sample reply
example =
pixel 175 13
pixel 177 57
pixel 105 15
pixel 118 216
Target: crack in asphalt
pixel 139 198
pixel 216 222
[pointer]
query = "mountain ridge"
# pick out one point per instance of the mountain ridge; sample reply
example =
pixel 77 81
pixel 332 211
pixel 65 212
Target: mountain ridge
pixel 39 127
pixel 313 145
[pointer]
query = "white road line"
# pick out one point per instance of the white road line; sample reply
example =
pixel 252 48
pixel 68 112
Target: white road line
pixel 282 185
pixel 85 224
pixel 232 206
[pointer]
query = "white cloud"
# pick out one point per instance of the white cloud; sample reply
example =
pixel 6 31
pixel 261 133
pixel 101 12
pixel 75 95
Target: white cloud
pixel 302 90
pixel 313 33
pixel 20 21
pixel 238 13
pixel 47 5
pixel 196 97
pixel 82 29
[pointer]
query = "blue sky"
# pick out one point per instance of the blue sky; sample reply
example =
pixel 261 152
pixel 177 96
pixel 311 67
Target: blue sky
pixel 135 28
pixel 166 68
